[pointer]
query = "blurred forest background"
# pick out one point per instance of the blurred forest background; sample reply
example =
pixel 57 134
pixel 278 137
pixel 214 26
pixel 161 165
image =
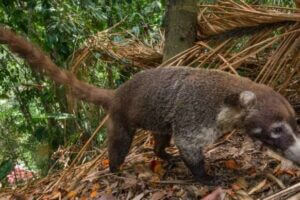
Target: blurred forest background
pixel 37 118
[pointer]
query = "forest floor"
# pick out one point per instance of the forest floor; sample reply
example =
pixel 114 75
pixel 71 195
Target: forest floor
pixel 248 171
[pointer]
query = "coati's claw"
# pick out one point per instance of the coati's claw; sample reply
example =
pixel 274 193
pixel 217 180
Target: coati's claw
pixel 164 155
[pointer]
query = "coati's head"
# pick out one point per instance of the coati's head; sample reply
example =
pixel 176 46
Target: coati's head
pixel 264 115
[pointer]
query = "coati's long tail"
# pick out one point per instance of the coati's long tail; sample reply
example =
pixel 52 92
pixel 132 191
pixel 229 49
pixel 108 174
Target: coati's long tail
pixel 39 61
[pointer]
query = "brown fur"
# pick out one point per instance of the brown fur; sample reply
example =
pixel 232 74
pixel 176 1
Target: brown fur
pixel 195 106
pixel 38 61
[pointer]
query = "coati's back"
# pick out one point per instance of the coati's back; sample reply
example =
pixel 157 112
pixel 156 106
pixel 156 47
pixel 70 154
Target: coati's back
pixel 158 97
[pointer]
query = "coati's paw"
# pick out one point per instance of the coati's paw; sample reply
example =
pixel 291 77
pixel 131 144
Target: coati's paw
pixel 171 162
pixel 174 159
pixel 209 180
pixel 163 155
pixel 113 169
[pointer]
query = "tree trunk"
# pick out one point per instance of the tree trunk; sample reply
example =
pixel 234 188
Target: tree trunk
pixel 180 26
pixel 297 2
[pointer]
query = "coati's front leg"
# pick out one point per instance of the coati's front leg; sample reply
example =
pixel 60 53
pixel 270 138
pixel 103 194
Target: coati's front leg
pixel 119 142
pixel 191 153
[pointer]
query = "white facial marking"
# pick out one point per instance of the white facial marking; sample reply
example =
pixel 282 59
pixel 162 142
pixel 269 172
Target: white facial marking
pixel 247 98
pixel 275 135
pixel 223 114
pixel 287 129
pixel 257 130
pixel 293 152
pixel 227 118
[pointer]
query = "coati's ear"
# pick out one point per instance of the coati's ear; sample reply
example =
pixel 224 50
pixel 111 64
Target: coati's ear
pixel 245 99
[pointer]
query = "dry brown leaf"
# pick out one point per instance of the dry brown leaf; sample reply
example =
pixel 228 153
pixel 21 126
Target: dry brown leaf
pixel 71 194
pixel 139 197
pixel 83 198
pixel 154 179
pixel 147 175
pixel 158 195
pixel 231 164
pixel 258 187
pixel 279 170
pixel 157 167
pixel 241 194
pixel 130 182
pixel 105 163
pixel 96 186
pixel 94 194
pixel 235 187
pixel 217 194
pixel 240 184
pixel 55 195
pixel 107 197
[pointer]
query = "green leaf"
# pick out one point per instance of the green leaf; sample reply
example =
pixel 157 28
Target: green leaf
pixel 5 168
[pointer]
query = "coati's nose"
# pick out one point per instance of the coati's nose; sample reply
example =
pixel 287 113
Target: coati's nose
pixel 293 152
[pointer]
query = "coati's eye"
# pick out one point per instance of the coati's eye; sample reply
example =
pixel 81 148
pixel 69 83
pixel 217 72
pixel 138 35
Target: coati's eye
pixel 276 132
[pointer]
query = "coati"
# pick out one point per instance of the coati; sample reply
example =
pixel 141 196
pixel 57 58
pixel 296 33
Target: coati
pixel 195 106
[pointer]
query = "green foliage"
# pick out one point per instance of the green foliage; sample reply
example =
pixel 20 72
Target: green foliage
pixel 284 3
pixel 5 167
pixel 34 115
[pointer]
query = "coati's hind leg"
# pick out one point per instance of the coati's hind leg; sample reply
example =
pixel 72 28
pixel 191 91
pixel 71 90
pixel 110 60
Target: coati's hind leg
pixel 119 142
pixel 161 141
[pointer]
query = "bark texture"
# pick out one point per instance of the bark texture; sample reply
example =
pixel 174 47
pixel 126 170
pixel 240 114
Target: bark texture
pixel 180 26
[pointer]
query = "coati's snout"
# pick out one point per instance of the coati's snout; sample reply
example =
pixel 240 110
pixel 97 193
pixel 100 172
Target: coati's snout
pixel 279 136
pixel 267 117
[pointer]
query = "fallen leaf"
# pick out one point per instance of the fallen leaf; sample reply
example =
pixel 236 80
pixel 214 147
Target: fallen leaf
pixel 55 195
pixel 251 171
pixel 71 194
pixel 158 195
pixel 155 178
pixel 130 182
pixel 157 167
pixel 155 164
pixel 114 185
pixel 93 194
pixel 231 164
pixel 145 175
pixel 279 170
pixel 107 197
pixel 258 187
pixel 105 163
pixel 217 194
pixel 240 183
pixel 139 197
pixel 96 186
pixel 241 194
pixel 83 198
pixel 235 187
